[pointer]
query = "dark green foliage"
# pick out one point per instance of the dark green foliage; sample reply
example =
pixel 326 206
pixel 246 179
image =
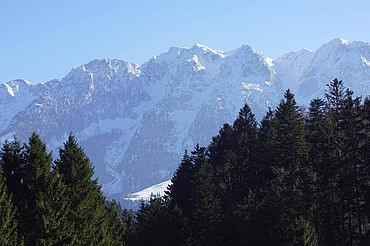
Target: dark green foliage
pixel 233 156
pixel 245 169
pixel 55 206
pixel 291 169
pixel 319 159
pixel 206 212
pixel 180 191
pixel 127 219
pixel 116 231
pixel 43 212
pixel 157 224
pixel 223 157
pixel 93 222
pixel 338 138
pixel 289 144
pixel 264 151
pixel 12 164
pixel 258 221
pixel 8 223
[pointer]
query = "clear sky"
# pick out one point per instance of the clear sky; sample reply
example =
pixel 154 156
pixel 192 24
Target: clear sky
pixel 43 40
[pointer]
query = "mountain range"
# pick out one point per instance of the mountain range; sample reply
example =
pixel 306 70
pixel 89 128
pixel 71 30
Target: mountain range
pixel 135 121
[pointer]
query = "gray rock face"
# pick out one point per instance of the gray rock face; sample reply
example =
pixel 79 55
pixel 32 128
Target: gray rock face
pixel 135 122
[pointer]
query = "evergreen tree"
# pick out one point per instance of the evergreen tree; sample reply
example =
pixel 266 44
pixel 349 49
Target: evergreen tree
pixel 223 157
pixel 352 128
pixel 43 212
pixel 264 152
pixel 180 190
pixel 12 165
pixel 319 159
pixel 92 223
pixel 206 213
pixel 291 169
pixel 117 230
pixel 335 97
pixel 8 223
pixel 245 170
pixel 254 221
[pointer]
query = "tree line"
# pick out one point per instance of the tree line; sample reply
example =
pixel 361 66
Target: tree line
pixel 299 177
pixel 53 203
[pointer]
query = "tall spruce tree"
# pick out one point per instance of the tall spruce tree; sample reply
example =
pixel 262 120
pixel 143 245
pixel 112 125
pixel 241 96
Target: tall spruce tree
pixel 319 159
pixel 43 212
pixel 245 170
pixel 290 155
pixel 88 208
pixel 335 97
pixel 264 152
pixel 223 158
pixel 180 190
pixel 352 128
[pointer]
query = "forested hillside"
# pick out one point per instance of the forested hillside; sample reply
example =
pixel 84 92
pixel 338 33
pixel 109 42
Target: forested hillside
pixel 299 177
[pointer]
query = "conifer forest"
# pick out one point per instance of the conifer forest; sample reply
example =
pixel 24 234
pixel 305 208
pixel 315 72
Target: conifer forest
pixel 301 176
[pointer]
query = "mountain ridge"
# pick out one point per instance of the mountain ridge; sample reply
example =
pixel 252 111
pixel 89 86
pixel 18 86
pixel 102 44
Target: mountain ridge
pixel 146 115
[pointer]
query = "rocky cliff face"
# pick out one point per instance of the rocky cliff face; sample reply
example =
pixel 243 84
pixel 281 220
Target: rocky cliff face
pixel 135 122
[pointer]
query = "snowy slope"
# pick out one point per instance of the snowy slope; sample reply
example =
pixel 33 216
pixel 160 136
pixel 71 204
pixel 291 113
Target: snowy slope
pixel 135 122
pixel 146 194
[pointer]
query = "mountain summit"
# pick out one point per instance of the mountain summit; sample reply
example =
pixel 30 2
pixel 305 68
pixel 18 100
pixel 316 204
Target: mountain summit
pixel 135 122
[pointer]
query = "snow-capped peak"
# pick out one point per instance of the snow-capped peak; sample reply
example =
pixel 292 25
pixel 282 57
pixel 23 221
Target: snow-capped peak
pixel 146 115
pixel 339 41
pixel 206 49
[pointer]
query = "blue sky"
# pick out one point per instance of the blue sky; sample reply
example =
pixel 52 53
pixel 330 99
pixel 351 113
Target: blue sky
pixel 43 40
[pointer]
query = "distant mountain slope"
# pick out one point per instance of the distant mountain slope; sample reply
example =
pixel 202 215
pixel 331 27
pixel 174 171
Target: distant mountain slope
pixel 135 122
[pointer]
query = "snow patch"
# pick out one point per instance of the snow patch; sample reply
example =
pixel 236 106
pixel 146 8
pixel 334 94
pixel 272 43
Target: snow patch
pixel 197 67
pixel 146 194
pixel 365 61
pixel 251 86
pixel 10 90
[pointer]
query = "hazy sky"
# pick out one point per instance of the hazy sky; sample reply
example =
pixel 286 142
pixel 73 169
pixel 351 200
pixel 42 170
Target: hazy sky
pixel 42 40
